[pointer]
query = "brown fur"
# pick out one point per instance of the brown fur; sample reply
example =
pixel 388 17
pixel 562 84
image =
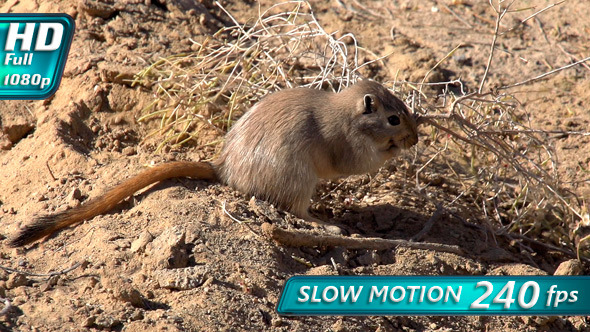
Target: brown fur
pixel 278 151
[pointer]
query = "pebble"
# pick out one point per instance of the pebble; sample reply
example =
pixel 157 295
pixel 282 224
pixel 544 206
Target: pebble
pixel 89 321
pixel 129 151
pixel 16 280
pixel 182 279
pixel 75 194
pixel 130 295
pixel 570 267
pixel 168 249
pixel 142 241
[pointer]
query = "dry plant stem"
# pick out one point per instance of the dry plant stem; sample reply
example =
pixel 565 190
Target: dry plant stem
pixel 462 20
pixel 579 248
pixel 536 78
pixel 437 215
pixel 238 221
pixel 426 119
pixel 532 16
pixel 292 238
pixel 368 10
pixel 47 275
pixel 573 57
pixel 499 148
pixel 492 46
pixel 536 131
pixel 437 64
pixel 542 244
pixel 50 172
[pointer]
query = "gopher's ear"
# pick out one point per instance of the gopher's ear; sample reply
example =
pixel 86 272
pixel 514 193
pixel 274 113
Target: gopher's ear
pixel 369 102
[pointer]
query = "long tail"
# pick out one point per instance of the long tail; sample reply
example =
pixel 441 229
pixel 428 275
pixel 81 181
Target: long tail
pixel 47 225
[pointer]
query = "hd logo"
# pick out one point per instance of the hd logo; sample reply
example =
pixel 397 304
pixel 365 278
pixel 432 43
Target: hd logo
pixel 33 53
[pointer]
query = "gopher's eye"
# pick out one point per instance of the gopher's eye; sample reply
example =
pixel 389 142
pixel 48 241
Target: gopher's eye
pixel 394 120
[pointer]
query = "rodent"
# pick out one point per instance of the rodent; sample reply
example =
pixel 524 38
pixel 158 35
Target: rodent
pixel 278 151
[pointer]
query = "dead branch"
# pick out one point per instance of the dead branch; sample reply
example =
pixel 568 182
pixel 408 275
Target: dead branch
pixel 46 275
pixel 296 238
pixel 238 220
pixel 493 45
pixel 542 76
pixel 436 216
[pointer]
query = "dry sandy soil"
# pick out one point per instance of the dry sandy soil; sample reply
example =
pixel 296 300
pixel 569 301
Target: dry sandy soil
pixel 170 259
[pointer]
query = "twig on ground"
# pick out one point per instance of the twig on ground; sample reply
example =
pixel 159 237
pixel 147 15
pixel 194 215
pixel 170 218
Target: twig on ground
pixel 534 15
pixel 47 275
pixel 50 172
pixel 238 220
pixel 436 216
pixel 542 244
pixel 462 20
pixel 542 76
pixel 293 238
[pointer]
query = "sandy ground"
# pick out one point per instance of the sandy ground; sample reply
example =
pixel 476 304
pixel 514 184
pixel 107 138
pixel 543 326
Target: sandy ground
pixel 170 259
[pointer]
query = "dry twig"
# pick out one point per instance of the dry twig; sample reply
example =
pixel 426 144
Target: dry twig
pixel 429 223
pixel 292 238
pixel 46 275
pixel 506 167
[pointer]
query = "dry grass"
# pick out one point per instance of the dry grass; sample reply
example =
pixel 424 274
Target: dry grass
pixel 214 85
pixel 503 167
pixel 508 169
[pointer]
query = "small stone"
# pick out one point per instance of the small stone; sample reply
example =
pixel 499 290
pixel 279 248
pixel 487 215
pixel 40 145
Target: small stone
pixel 39 197
pixel 76 194
pixel 368 259
pixel 182 279
pixel 16 280
pixel 89 321
pixel 17 129
pixel 570 267
pixel 5 143
pixel 96 8
pixel 136 315
pixel 168 250
pixel 129 151
pixel 92 282
pixel 106 322
pixel 50 283
pixel 141 242
pixel 276 322
pixel 130 295
pixel 19 300
pixel 338 326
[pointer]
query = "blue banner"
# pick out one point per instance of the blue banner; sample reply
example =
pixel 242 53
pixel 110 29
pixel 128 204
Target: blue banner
pixel 33 53
pixel 435 295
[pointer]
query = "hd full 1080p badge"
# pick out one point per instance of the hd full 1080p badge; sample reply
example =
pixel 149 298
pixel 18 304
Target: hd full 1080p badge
pixel 33 53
